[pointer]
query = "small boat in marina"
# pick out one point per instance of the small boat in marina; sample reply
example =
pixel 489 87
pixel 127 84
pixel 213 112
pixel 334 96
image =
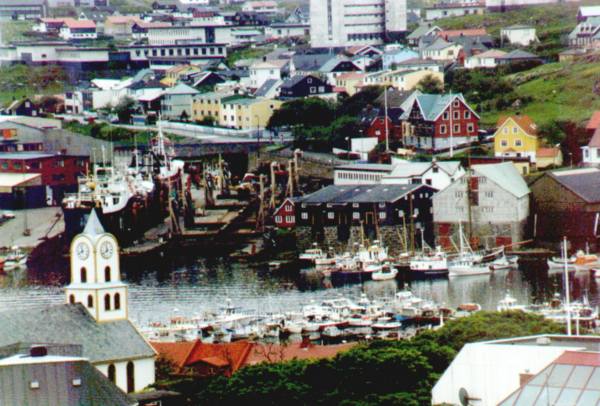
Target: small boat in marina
pixel 16 258
pixel 509 303
pixel 386 273
pixel 467 262
pixel 432 264
pixel 504 263
pixel 311 255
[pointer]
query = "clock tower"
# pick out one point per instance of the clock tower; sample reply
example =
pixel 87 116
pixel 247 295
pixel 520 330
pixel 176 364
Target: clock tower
pixel 95 274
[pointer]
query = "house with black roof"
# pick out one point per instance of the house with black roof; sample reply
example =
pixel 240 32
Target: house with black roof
pixel 304 86
pixel 566 203
pixel 338 216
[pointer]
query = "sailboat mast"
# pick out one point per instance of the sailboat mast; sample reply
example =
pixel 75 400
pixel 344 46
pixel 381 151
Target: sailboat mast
pixel 387 130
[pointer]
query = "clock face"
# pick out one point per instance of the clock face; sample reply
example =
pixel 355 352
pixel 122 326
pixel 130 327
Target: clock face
pixel 106 249
pixel 83 251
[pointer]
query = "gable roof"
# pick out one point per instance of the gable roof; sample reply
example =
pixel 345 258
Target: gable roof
pixel 359 194
pixel 506 176
pixel 519 54
pixel 438 44
pixel 583 182
pixel 422 30
pixel 267 87
pixel 594 122
pixel 589 11
pixel 71 323
pixel 523 121
pixel 492 53
pixel 181 89
pixel 331 64
pixel 433 105
pixel 310 63
pixel 547 152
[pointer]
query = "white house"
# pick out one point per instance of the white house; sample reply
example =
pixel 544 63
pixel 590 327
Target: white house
pixel 591 152
pixel 361 174
pixel 519 34
pixel 78 29
pixel 260 7
pixel 109 92
pixel 262 71
pixel 438 175
pixel 487 59
pixel 177 102
pixel 486 373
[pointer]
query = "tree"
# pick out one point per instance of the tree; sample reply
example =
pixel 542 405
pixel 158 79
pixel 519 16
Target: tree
pixel 430 85
pixel 124 109
pixel 310 112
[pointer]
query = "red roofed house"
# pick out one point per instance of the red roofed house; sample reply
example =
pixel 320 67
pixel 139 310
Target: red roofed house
pixel 199 359
pixel 594 123
pixel 78 29
pixel 285 215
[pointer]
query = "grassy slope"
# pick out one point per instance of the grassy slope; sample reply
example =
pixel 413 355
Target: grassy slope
pixel 561 91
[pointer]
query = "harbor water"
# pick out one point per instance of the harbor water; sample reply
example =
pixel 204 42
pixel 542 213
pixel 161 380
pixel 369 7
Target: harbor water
pixel 184 285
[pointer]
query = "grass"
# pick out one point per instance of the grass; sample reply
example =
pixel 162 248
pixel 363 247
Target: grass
pixel 247 53
pixel 560 92
pixel 14 31
pixel 18 81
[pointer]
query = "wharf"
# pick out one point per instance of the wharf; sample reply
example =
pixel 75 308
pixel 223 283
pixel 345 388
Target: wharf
pixel 42 223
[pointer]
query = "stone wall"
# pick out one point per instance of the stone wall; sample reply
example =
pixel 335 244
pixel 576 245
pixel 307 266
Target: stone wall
pixel 483 234
pixel 328 238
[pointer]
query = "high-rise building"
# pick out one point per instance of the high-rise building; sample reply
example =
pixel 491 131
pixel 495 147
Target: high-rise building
pixel 341 23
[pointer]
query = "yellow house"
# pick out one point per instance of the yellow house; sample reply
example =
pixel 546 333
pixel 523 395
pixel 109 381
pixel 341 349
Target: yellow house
pixel 516 136
pixel 246 113
pixel 207 105
pixel 350 82
pixel 172 75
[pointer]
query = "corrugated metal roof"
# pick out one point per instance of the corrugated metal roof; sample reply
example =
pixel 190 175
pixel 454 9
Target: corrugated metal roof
pixel 359 194
pixel 504 175
pixel 16 179
pixel 583 182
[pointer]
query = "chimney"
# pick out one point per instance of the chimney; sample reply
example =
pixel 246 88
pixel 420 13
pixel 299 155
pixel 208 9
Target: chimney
pixel 524 378
pixel 38 351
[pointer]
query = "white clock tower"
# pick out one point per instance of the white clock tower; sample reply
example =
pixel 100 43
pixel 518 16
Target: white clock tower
pixel 95 274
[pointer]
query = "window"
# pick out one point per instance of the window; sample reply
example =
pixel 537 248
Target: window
pixel 489 194
pixel 456 115
pixel 470 127
pixel 443 129
pixel 382 215
pixel 515 130
pixel 107 302
pixel 446 115
pixel 304 216
pixel 458 194
pixel 278 219
pixel 518 143
pixel 330 215
pixel 130 377
pixel 504 143
pixel 456 103
pixel 467 114
pixel 356 215
pixel 83 274
pixel 112 375
pixel 107 274
pixel 456 128
pixel 505 130
pixel 90 301
pixel 72 299
pixel 354 205
pixel 117 301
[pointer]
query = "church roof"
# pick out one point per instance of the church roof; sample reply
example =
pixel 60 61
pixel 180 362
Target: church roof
pixel 93 227
pixel 101 342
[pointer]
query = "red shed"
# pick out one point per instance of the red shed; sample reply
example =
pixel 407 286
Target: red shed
pixel 285 215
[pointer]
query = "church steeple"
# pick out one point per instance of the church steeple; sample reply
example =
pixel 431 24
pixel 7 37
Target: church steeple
pixel 95 274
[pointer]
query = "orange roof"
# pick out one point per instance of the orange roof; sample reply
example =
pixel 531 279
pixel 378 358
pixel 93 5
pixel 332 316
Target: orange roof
pixel 71 23
pixel 275 353
pixel 547 152
pixel 469 32
pixel 232 354
pixel 351 75
pixel 594 122
pixel 595 141
pixel 177 353
pixel 523 121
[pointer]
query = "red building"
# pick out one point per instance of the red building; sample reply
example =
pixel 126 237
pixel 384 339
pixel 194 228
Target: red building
pixel 59 172
pixel 377 129
pixel 285 216
pixel 438 121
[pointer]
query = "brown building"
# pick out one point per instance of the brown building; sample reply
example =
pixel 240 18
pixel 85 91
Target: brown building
pixel 567 204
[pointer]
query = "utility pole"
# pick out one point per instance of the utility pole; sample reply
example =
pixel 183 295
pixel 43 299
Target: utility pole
pixel 387 130
pixel 451 131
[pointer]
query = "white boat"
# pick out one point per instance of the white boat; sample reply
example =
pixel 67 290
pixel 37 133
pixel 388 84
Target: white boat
pixel 386 273
pixel 509 303
pixel 312 254
pixel 15 259
pixel 504 263
pixel 467 268
pixel 432 264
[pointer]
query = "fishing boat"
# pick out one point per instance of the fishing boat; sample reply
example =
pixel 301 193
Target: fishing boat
pixel 430 264
pixel 128 200
pixel 16 258
pixel 580 261
pixel 311 255
pixel 509 303
pixel 467 262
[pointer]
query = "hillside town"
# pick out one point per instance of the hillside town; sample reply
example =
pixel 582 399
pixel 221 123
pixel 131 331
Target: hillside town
pixel 383 202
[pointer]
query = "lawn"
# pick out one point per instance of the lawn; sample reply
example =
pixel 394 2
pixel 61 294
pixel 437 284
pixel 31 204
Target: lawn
pixel 20 80
pixel 14 31
pixel 560 92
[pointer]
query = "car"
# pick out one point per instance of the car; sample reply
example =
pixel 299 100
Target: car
pixel 8 215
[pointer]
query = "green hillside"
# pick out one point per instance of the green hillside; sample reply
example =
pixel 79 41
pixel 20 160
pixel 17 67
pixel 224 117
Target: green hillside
pixel 559 92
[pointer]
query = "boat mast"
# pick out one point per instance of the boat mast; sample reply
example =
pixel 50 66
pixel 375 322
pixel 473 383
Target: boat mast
pixel 567 296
